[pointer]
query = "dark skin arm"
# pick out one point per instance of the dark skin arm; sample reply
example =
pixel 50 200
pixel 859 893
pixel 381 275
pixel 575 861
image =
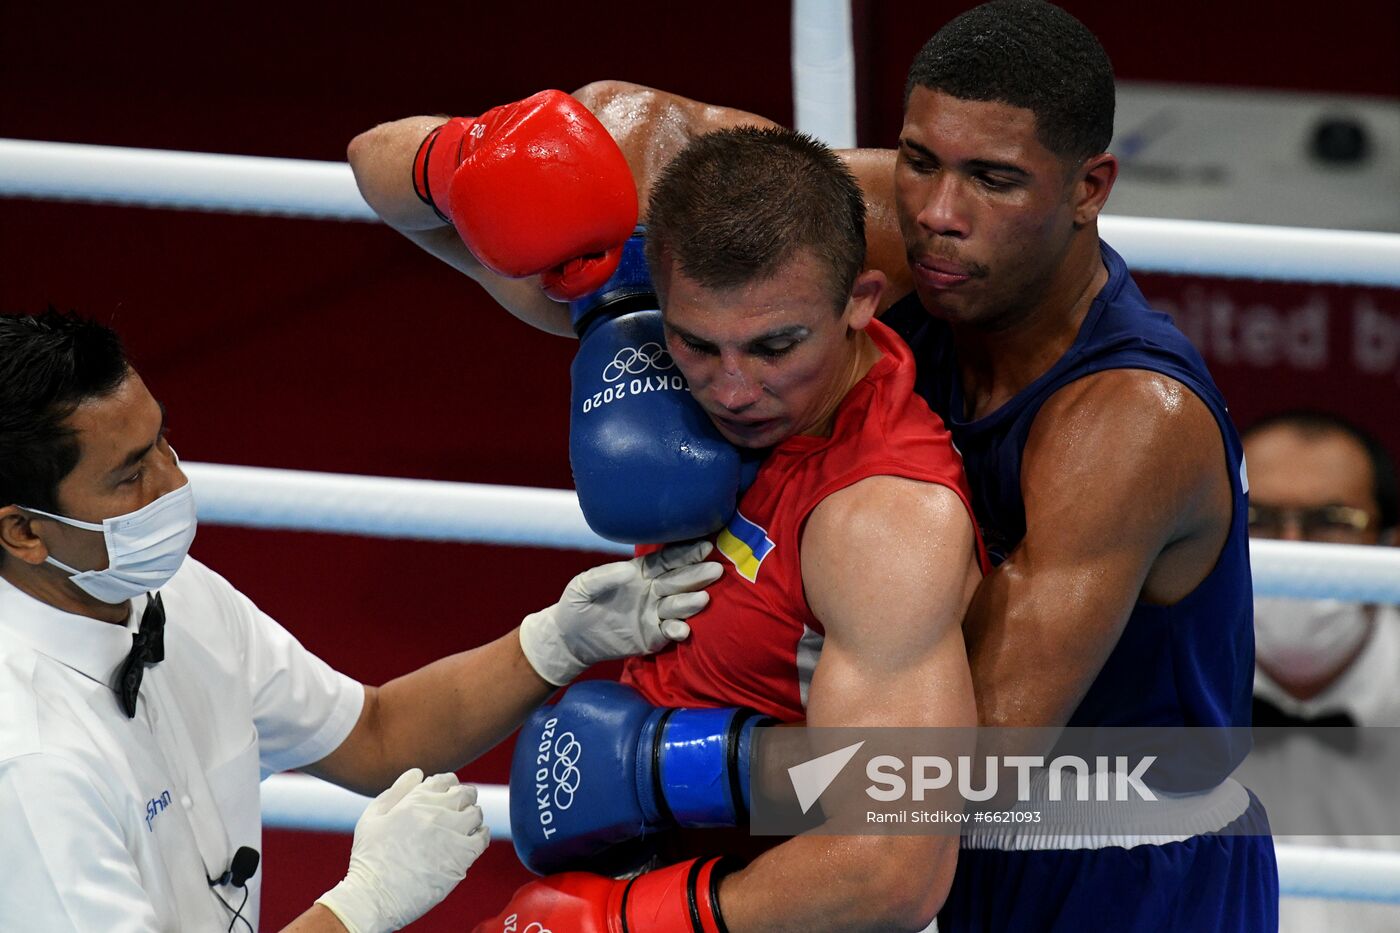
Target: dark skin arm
pixel 382 160
pixel 1127 495
pixel 650 127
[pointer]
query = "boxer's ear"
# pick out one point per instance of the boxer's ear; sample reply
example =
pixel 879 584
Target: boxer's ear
pixel 865 298
pixel 1091 185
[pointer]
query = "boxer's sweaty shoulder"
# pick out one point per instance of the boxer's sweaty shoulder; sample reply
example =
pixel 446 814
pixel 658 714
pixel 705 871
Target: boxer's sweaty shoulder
pixel 1143 443
pixel 651 126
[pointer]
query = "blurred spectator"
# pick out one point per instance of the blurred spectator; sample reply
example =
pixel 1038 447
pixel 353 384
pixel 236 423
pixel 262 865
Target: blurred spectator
pixel 1314 477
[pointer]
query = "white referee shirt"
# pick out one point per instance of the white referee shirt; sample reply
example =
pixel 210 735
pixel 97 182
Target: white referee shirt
pixel 114 824
pixel 1359 795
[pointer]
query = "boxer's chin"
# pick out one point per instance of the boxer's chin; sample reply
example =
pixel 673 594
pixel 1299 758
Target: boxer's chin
pixel 752 434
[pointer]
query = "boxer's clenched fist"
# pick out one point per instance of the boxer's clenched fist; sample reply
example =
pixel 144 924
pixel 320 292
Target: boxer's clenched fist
pixel 536 187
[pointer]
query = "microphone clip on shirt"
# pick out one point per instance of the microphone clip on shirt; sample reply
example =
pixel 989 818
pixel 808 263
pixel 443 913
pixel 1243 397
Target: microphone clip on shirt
pixel 243 866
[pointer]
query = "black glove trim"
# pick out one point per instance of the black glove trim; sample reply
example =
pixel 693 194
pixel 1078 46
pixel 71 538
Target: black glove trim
pixel 731 762
pixel 420 160
pixel 723 866
pixel 658 791
pixel 697 924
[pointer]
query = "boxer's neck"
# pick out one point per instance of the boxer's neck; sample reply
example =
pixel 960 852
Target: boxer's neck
pixel 995 365
pixel 864 354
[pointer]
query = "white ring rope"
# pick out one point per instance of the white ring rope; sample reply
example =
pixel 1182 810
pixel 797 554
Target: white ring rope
pixel 301 802
pixel 383 507
pixel 326 190
pixel 180 180
pixel 386 507
pixel 1255 251
pixel 1304 570
pixel 1338 874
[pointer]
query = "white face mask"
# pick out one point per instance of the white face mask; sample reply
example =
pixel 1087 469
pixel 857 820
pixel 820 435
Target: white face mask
pixel 144 548
pixel 1305 640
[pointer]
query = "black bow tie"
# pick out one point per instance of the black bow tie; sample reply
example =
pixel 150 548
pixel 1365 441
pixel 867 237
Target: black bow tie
pixel 1338 729
pixel 147 647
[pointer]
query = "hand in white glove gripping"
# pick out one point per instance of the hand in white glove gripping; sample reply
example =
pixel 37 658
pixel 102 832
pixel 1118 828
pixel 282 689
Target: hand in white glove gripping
pixel 618 610
pixel 413 843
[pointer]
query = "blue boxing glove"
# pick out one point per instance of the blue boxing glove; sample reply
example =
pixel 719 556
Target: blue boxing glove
pixel 649 465
pixel 597 773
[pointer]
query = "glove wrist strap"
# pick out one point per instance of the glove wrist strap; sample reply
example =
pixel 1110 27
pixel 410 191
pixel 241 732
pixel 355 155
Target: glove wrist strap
pixel 683 897
pixel 703 765
pixel 437 158
pixel 628 289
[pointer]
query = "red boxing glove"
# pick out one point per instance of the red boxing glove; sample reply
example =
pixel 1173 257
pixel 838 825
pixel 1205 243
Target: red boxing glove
pixel 683 898
pixel 537 187
pixel 573 902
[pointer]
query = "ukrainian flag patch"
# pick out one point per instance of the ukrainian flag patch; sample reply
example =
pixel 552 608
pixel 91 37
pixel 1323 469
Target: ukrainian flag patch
pixel 746 545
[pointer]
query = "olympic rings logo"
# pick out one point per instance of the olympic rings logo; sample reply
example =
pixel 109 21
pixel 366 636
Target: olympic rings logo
pixel 512 924
pixel 565 770
pixel 636 360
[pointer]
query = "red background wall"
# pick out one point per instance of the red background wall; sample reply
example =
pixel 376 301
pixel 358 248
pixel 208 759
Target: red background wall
pixel 339 347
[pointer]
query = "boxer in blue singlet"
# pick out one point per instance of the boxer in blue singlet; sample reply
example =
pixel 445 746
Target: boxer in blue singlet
pixel 1184 664
pixel 1106 475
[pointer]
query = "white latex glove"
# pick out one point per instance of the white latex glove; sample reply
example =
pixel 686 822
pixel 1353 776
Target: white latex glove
pixel 413 843
pixel 617 610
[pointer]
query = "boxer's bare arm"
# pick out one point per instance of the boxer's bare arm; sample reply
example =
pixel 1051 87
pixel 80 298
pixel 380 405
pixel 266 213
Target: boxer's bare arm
pixel 884 244
pixel 382 160
pixel 650 126
pixel 1127 493
pixel 888 566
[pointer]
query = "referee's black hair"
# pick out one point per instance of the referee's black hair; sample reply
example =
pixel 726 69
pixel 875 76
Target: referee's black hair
pixel 1312 423
pixel 1029 54
pixel 50 363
